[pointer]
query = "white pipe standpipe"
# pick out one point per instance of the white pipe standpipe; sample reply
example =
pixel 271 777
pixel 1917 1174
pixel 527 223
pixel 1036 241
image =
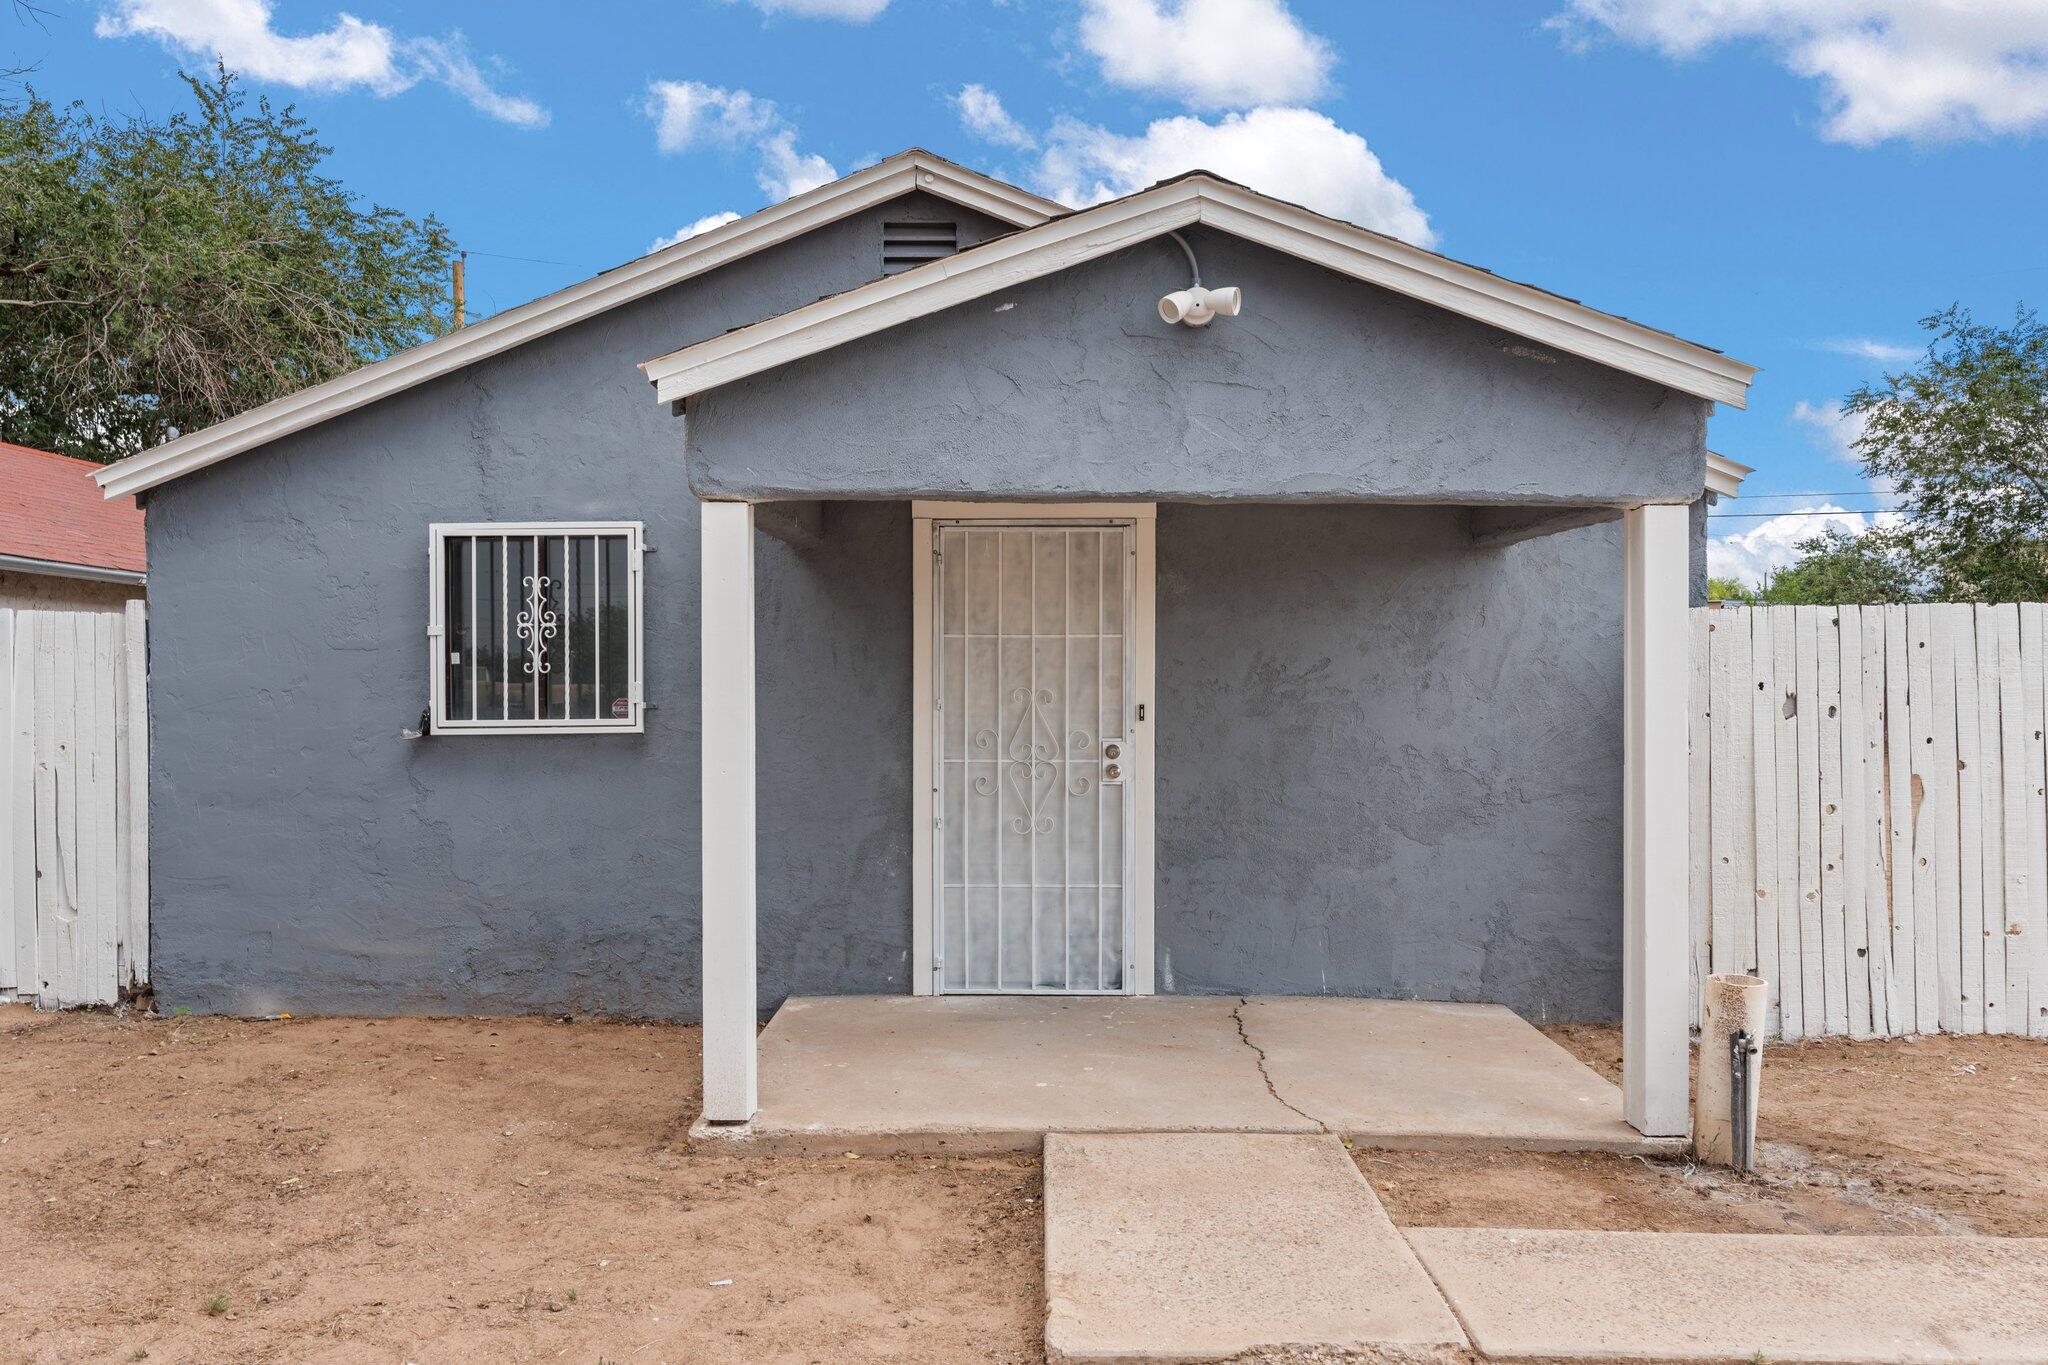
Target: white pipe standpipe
pixel 1730 1070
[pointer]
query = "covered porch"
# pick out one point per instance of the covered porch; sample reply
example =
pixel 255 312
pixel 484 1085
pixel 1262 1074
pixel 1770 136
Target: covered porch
pixel 971 1061
pixel 973 1075
pixel 1376 594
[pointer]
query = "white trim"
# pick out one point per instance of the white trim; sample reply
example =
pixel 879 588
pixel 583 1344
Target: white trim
pixel 1034 511
pixel 437 627
pixel 1091 233
pixel 923 792
pixel 727 802
pixel 886 180
pixel 1725 476
pixel 1143 519
pixel 57 568
pixel 1656 834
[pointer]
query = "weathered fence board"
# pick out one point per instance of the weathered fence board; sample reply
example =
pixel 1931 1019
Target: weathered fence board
pixel 1871 805
pixel 74 888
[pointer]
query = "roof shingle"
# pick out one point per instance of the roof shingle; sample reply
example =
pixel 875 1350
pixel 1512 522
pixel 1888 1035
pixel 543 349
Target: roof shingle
pixel 50 508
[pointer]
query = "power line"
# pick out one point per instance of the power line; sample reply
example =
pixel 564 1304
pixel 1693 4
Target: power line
pixel 1773 516
pixel 500 256
pixel 1840 493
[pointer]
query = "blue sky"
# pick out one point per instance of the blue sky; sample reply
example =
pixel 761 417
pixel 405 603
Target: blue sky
pixel 1793 181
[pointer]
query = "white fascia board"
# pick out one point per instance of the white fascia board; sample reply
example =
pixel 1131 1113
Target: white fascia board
pixel 1519 308
pixel 708 251
pixel 1083 236
pixel 1725 476
pixel 930 288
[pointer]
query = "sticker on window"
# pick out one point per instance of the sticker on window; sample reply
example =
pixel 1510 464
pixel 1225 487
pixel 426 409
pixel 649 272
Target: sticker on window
pixel 622 709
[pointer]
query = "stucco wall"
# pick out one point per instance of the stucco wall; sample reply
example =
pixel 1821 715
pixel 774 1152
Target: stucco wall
pixel 306 858
pixel 1388 764
pixel 1325 388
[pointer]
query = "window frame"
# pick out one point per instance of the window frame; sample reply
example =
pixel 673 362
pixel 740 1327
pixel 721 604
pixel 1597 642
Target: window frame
pixel 438 535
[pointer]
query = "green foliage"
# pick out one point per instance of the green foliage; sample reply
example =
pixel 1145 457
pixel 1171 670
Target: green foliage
pixel 159 276
pixel 1840 569
pixel 1729 590
pixel 1963 438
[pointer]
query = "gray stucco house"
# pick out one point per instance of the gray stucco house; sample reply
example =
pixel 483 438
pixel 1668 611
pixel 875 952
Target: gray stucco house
pixel 946 619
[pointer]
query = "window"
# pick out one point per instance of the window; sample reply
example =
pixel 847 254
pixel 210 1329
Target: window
pixel 536 628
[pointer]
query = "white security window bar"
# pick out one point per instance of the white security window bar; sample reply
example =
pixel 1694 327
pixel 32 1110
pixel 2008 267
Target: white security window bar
pixel 534 627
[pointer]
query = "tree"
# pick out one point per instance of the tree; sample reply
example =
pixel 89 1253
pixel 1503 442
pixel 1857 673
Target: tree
pixel 1963 438
pixel 1729 590
pixel 1836 568
pixel 159 276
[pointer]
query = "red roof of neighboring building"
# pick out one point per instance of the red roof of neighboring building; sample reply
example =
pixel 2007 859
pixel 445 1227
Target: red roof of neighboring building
pixel 51 509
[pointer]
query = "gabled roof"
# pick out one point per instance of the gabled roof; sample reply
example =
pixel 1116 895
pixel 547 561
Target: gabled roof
pixel 53 520
pixel 1200 197
pixel 877 184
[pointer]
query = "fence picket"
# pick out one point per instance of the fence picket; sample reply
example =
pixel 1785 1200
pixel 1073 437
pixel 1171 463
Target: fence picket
pixel 69 783
pixel 1699 796
pixel 2034 739
pixel 1827 706
pixel 1885 1006
pixel 1763 746
pixel 1784 644
pixel 1969 825
pixel 1855 927
pixel 1882 800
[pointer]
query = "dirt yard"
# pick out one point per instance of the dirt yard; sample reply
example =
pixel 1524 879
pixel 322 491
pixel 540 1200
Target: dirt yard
pixel 436 1190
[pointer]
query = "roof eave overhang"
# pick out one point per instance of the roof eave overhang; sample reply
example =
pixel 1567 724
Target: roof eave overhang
pixel 59 568
pixel 1080 237
pixel 1725 476
pixel 708 251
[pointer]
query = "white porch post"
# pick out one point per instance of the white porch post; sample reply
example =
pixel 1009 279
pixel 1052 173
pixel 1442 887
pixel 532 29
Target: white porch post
pixel 727 797
pixel 1654 1070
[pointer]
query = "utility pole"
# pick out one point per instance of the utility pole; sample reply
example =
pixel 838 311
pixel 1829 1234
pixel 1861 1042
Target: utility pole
pixel 460 258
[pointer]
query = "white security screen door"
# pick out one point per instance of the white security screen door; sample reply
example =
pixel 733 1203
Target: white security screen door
pixel 1033 751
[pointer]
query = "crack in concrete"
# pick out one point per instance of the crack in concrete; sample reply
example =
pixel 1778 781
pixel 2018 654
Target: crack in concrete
pixel 1237 1017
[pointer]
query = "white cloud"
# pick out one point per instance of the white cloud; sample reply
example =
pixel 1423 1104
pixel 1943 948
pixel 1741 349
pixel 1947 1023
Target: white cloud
pixel 1924 69
pixel 852 11
pixel 1773 544
pixel 351 55
pixel 685 233
pixel 1868 348
pixel 1294 154
pixel 690 114
pixel 982 114
pixel 1828 427
pixel 1208 54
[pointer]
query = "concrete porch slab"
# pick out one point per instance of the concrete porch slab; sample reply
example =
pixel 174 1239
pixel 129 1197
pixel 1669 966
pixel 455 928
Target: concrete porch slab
pixel 979 1074
pixel 1633 1296
pixel 1204 1246
pixel 1420 1074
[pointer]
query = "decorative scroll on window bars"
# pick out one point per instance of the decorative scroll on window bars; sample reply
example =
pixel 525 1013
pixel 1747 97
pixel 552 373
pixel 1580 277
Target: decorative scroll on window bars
pixel 538 628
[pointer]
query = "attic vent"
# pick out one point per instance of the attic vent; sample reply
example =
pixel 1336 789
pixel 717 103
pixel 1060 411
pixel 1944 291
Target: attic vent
pixel 911 244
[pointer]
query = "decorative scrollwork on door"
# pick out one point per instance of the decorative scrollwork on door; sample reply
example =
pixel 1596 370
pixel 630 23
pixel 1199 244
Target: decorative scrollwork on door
pixel 1032 773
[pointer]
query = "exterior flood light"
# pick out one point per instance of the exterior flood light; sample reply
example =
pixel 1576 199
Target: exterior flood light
pixel 1196 306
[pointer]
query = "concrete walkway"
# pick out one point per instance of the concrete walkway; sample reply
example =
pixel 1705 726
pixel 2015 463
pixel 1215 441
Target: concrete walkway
pixel 892 1074
pixel 1628 1296
pixel 1202 1246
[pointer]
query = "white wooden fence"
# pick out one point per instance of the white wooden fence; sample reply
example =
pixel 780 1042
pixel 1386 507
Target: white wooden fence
pixel 74 806
pixel 1870 832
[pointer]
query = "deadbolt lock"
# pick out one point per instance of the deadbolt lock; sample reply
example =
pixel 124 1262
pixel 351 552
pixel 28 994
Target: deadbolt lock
pixel 1112 756
pixel 1112 750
